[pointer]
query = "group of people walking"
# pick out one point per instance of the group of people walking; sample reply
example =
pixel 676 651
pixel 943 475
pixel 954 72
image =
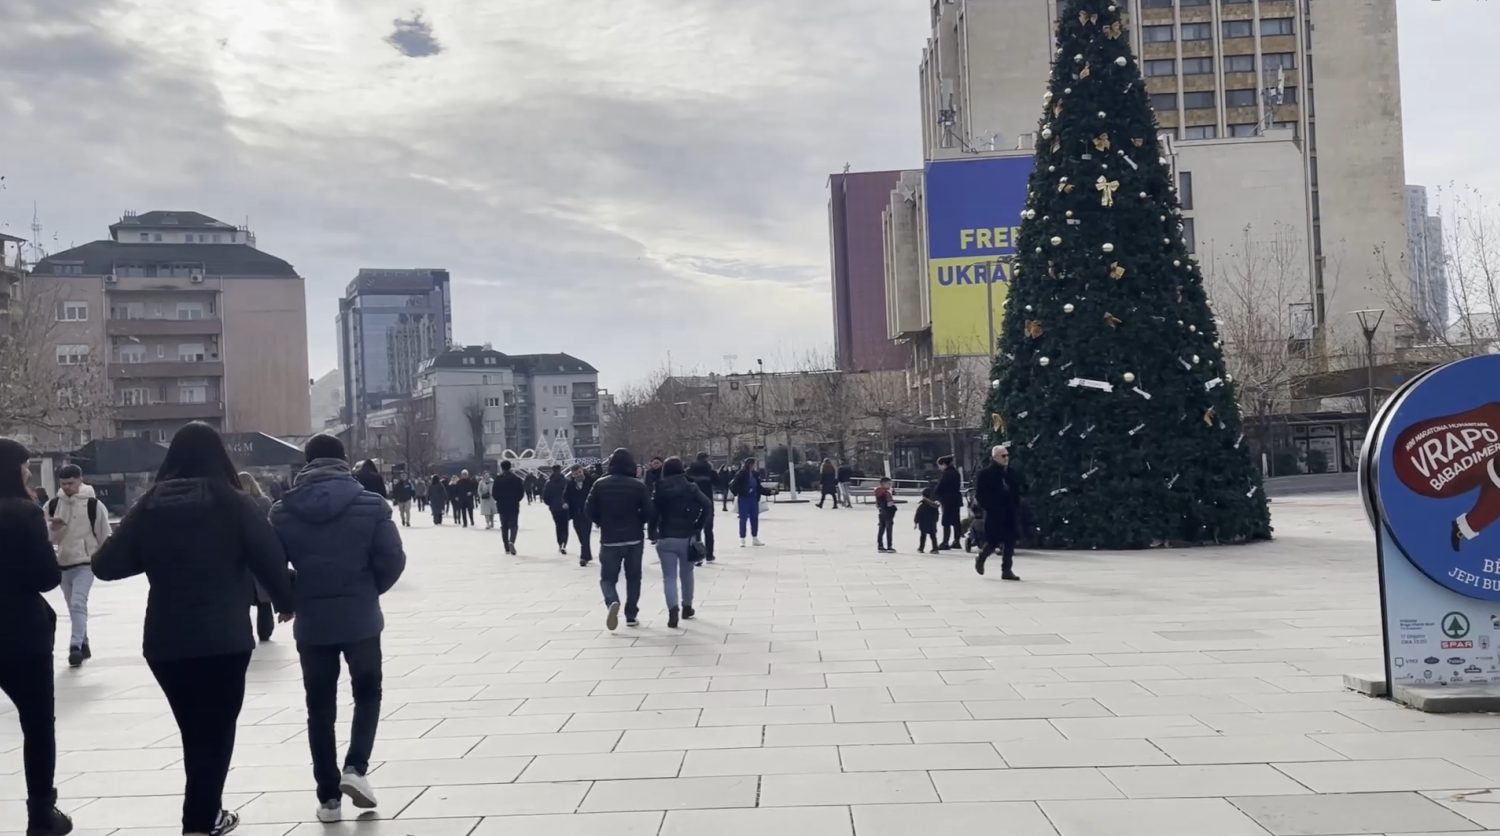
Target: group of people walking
pixel 210 548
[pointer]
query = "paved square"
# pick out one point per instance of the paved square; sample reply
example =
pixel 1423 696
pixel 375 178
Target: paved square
pixel 825 689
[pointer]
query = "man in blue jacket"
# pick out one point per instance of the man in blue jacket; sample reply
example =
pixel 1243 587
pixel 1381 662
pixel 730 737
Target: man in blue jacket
pixel 347 553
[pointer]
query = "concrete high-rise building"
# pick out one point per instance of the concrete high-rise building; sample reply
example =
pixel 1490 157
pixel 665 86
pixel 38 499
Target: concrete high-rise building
pixel 390 322
pixel 193 322
pixel 327 395
pixel 1426 264
pixel 855 204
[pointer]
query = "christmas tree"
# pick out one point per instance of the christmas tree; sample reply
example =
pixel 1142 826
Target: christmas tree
pixel 1110 385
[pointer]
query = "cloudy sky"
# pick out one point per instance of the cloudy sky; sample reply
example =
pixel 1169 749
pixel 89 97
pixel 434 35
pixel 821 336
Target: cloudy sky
pixel 618 179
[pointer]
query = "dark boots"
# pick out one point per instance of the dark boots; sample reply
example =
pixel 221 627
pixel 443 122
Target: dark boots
pixel 47 820
pixel 672 618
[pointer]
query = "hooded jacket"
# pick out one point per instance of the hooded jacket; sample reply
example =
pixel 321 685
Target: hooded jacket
pixel 509 490
pixel 620 505
pixel 552 493
pixel 27 569
pixel 702 474
pixel 198 542
pixel 682 509
pixel 346 550
pixel 576 495
pixel 78 539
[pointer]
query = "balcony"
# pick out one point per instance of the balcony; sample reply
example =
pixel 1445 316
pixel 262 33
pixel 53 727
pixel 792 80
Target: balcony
pixel 163 327
pixel 170 411
pixel 165 368
pixel 585 397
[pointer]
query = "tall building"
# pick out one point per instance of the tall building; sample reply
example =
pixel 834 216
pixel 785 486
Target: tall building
pixel 193 322
pixel 855 204
pixel 327 395
pixel 1426 264
pixel 558 397
pixel 390 322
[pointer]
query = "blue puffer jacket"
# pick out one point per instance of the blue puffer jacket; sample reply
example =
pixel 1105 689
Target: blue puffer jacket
pixel 347 553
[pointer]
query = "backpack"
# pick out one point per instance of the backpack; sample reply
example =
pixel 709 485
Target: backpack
pixel 93 511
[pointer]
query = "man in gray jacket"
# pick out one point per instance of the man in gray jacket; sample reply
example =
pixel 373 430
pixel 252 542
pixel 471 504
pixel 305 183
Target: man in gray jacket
pixel 347 552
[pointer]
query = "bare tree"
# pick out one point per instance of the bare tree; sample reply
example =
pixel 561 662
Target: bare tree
pixel 473 409
pixel 47 384
pixel 410 439
pixel 887 399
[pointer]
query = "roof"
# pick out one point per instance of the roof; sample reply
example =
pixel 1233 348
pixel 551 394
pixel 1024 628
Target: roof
pixel 119 455
pixel 458 357
pixel 181 220
pixel 550 364
pixel 261 450
pixel 100 257
pixel 11 239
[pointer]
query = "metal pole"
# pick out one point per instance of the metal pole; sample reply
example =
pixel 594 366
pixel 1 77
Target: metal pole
pixel 989 307
pixel 1370 379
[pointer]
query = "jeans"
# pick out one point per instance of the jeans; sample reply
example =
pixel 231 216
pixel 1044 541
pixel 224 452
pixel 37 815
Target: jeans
pixel 677 556
pixel 27 681
pixel 843 496
pixel 405 509
pixel 610 560
pixel 76 583
pixel 320 678
pixel 708 539
pixel 749 507
pixel 584 529
pixel 205 694
pixel 883 532
pixel 510 525
pixel 560 519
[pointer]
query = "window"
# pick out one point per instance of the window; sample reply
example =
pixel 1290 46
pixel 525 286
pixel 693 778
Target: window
pixel 1235 2
pixel 192 390
pixel 1190 3
pixel 145 236
pixel 1289 95
pixel 191 353
pixel 1197 31
pixel 72 311
pixel 1244 97
pixel 139 396
pixel 1164 101
pixel 1197 66
pixel 1188 235
pixel 1275 60
pixel 156 237
pixel 1198 100
pixel 216 238
pixel 1199 132
pixel 1243 129
pixel 72 355
pixel 1156 4
pixel 1239 63
pixel 1185 189
pixel 131 353
pixel 189 310
pixel 1276 26
pixel 1156 34
pixel 1238 29
pixel 491 402
pixel 1165 66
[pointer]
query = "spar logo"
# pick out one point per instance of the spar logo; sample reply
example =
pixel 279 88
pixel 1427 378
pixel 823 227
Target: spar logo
pixel 1445 458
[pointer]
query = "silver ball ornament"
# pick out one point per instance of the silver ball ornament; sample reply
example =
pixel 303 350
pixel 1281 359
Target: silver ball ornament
pixel 1067 90
pixel 1068 308
pixel 1051 168
pixel 1028 309
pixel 1193 329
pixel 1144 195
pixel 1078 58
pixel 1130 377
pixel 1176 263
pixel 1166 240
pixel 1109 248
pixel 1195 359
pixel 1046 133
pixel 1228 378
pixel 1068 213
pixel 1121 61
pixel 1056 241
pixel 1044 361
pixel 1038 249
pixel 1102 114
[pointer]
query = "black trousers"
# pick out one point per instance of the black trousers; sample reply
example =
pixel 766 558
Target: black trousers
pixel 928 533
pixel 437 514
pixel 1007 549
pixel 951 526
pixel 708 539
pixel 561 519
pixel 463 510
pixel 584 529
pixel 205 694
pixel 27 681
pixel 265 621
pixel 611 560
pixel 883 533
pixel 510 525
pixel 320 678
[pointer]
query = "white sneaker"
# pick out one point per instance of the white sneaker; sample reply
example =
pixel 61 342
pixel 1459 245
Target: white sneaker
pixel 742 542
pixel 612 621
pixel 357 787
pixel 758 542
pixel 330 811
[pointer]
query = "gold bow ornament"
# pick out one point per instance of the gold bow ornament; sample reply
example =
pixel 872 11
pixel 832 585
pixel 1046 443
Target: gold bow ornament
pixel 1209 416
pixel 1033 328
pixel 1085 18
pixel 1106 190
pixel 1116 272
pixel 1101 142
pixel 1111 320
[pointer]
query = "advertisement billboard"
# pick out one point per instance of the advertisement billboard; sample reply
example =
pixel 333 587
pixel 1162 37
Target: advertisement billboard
pixel 973 216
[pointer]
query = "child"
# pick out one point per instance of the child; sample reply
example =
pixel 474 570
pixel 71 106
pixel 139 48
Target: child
pixel 885 503
pixel 927 517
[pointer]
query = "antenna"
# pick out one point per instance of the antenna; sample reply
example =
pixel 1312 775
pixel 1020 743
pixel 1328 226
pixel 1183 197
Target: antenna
pixel 729 360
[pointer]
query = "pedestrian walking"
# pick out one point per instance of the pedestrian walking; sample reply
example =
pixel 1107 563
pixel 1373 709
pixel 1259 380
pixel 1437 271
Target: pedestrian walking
pixel 748 489
pixel 40 495
pixel 701 473
pixel 620 504
pixel 420 490
pixel 846 478
pixel 575 500
pixel 28 568
pixel 198 540
pixel 402 493
pixel 726 476
pixel 653 473
pixel 553 495
pixel 885 506
pixel 265 612
pixel 950 496
pixel 828 483
pixel 486 493
pixel 370 479
pixel 531 487
pixel 461 497
pixel 508 491
pixel 926 519
pixel 681 512
pixel 78 524
pixel 437 499
pixel 347 553
pixel 997 489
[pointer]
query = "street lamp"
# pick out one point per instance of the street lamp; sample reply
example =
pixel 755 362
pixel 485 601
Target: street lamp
pixel 1369 323
pixel 753 390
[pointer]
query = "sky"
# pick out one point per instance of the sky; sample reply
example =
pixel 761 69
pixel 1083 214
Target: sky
pixel 634 183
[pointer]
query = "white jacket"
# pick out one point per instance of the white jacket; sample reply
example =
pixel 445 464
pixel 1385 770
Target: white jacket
pixel 76 542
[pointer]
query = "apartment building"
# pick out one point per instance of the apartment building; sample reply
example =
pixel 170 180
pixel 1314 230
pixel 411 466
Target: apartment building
pixel 558 397
pixel 191 321
pixel 856 202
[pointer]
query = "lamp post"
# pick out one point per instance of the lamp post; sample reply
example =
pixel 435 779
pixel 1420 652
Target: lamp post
pixel 682 410
pixel 1369 323
pixel 753 390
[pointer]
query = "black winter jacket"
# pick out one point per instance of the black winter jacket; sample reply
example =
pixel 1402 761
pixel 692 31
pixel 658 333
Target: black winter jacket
pixel 576 497
pixel 346 550
pixel 682 510
pixel 702 474
pixel 740 484
pixel 509 491
pixel 998 491
pixel 374 483
pixel 950 488
pixel 198 542
pixel 28 567
pixel 620 505
pixel 402 491
pixel 552 492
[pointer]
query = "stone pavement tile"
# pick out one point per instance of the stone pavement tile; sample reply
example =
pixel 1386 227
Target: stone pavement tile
pixel 512 690
pixel 705 699
pixel 120 760
pixel 1211 781
pixel 140 782
pixel 386 827
pixel 576 824
pixel 1315 701
pixel 653 686
pixel 835 697
pixel 985 691
pixel 782 821
pixel 1232 686
pixel 716 737
pixel 1282 722
pixel 133 811
pixel 1245 749
pixel 1486 765
pixel 1139 673
pixel 511 724
pixel 1003 676
pixel 623 720
pixel 443 710
pixel 470 770
pixel 836 734
pixel 1079 690
pixel 776 715
pixel 981 731
pixel 553 768
pixel 670 794
pixel 496 800
pixel 1209 635
pixel 900 712
pixel 281 829
pixel 1106 728
pixel 763 761
pixel 1405 719
pixel 1012 819
pixel 1192 704
pixel 1046 753
pixel 513 745
pixel 1316 815
pixel 808 790
pixel 971 663
pixel 1307 684
pixel 1480 807
pixel 884 680
pixel 1412 744
pixel 1022 784
pixel 293 807
pixel 897 758
pixel 579 705
pixel 1384 776
pixel 1149 817
pixel 1035 709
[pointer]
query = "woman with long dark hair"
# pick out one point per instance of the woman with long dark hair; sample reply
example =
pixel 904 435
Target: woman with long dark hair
pixel 200 540
pixel 437 498
pixel 28 567
pixel 748 489
pixel 370 479
pixel 828 483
